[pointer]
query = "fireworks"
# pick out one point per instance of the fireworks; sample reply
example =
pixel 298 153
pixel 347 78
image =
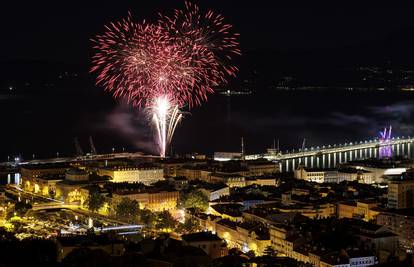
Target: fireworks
pixel 176 61
pixel 385 136
pixel 165 118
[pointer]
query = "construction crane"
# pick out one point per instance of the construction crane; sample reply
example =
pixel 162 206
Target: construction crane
pixel 93 149
pixel 79 151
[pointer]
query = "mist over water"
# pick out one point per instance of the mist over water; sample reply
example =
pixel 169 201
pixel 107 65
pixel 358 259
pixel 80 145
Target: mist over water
pixel 46 124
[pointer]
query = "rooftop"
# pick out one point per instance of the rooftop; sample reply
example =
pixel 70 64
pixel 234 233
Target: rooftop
pixel 377 163
pixel 319 170
pixel 261 177
pixel 226 174
pixel 76 171
pixel 233 210
pixel 368 201
pixel 404 212
pixel 139 188
pixel 352 170
pixel 141 166
pixel 200 237
pixel 208 186
pixel 51 177
pixel 228 223
pixel 46 166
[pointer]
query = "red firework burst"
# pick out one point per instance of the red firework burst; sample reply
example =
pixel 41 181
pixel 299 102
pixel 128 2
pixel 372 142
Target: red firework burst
pixel 182 57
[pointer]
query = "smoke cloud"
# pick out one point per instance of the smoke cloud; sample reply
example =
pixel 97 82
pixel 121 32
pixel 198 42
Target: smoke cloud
pixel 133 126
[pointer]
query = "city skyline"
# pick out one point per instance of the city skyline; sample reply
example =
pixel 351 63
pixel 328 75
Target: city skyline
pixel 206 133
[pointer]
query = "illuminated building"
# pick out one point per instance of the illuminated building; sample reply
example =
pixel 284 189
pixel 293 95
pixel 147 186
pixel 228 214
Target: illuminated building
pixel 42 178
pixel 195 156
pixel 272 217
pixel 149 197
pixel 346 209
pixel 76 175
pixel 379 238
pixel 334 175
pixel 261 167
pixel 3 207
pixel 400 222
pixel 179 183
pixel 316 175
pixel 171 168
pixel 348 258
pixel 226 156
pixel 71 189
pixel 241 235
pixel 213 246
pixel 230 212
pixel 362 209
pixel 216 191
pixel 231 179
pixel 286 241
pixel 43 185
pixel 2 197
pixel 380 169
pixel 191 172
pixel 310 210
pixel 401 194
pixel 232 173
pixel 146 176
pixel 32 171
pixel 261 180
pixel 67 187
pixel 352 174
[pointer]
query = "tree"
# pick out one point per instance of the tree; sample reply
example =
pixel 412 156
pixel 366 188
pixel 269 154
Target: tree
pixel 95 200
pixel 147 217
pixel 195 199
pixel 190 225
pixel 165 221
pixel 127 208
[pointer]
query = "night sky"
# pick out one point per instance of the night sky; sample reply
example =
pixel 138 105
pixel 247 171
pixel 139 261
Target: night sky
pixel 305 41
pixel 60 30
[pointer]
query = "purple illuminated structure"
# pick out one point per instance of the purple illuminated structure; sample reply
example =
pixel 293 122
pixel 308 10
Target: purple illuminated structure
pixel 385 149
pixel 385 136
